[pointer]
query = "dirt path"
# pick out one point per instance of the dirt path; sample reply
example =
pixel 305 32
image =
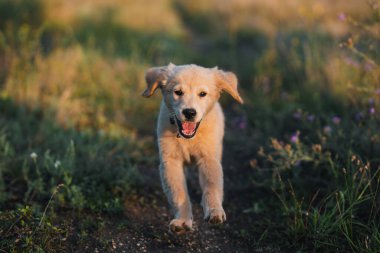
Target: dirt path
pixel 144 225
pixel 147 217
pixel 147 227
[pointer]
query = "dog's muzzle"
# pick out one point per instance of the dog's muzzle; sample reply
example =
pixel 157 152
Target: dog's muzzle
pixel 186 129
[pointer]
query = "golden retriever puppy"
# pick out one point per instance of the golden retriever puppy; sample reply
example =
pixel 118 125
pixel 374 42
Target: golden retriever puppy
pixel 190 131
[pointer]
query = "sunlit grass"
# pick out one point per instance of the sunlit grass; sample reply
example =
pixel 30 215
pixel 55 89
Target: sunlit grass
pixel 151 16
pixel 272 16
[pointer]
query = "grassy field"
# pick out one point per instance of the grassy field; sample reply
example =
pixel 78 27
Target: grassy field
pixel 78 158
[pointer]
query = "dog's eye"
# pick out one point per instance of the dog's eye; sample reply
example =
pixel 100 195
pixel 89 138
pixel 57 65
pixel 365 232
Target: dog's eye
pixel 202 94
pixel 178 92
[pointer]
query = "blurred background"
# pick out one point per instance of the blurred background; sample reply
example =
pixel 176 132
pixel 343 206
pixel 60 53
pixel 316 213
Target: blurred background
pixel 83 62
pixel 74 129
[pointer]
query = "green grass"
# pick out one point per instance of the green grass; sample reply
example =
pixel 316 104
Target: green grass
pixel 74 131
pixel 36 158
pixel 43 163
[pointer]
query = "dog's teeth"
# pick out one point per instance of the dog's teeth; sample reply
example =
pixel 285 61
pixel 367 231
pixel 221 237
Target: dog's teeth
pixel 183 132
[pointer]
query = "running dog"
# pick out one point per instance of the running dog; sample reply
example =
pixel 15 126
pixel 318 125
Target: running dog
pixel 190 130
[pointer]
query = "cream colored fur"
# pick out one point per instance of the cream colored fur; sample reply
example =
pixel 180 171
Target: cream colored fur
pixel 204 149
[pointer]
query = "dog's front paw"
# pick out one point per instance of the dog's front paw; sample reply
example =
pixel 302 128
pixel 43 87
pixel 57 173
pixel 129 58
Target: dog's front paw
pixel 215 216
pixel 180 226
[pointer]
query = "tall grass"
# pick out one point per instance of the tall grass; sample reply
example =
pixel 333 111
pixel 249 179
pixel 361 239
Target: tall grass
pixel 323 163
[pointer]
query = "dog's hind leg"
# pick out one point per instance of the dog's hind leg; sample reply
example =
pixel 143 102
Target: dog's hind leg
pixel 174 185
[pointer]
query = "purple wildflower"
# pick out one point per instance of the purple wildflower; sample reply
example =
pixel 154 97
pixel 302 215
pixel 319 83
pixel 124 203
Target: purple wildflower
pixel 372 110
pixel 240 122
pixel 336 120
pixel 295 137
pixel 297 163
pixel 310 118
pixel 352 62
pixel 243 124
pixel 359 116
pixel 371 101
pixel 342 16
pixel 368 66
pixel 327 130
pixel 297 114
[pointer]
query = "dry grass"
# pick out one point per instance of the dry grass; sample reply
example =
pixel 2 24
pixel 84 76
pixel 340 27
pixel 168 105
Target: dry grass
pixel 151 16
pixel 80 89
pixel 84 88
pixel 274 16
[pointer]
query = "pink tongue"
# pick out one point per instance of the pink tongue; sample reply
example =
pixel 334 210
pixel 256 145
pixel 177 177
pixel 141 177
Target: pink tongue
pixel 188 127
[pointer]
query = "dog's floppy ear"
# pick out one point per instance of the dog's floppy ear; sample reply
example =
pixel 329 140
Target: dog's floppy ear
pixel 228 82
pixel 156 78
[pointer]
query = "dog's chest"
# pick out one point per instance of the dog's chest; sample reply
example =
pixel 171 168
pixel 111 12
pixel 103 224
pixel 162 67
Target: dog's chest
pixel 189 149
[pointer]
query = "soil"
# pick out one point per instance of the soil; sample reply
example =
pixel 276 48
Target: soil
pixel 144 225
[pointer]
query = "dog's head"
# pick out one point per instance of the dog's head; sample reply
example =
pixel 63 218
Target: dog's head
pixel 190 92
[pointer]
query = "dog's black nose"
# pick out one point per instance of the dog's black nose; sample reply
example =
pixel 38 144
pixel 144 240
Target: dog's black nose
pixel 189 113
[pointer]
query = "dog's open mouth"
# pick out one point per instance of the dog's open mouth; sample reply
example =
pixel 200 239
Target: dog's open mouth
pixel 187 129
